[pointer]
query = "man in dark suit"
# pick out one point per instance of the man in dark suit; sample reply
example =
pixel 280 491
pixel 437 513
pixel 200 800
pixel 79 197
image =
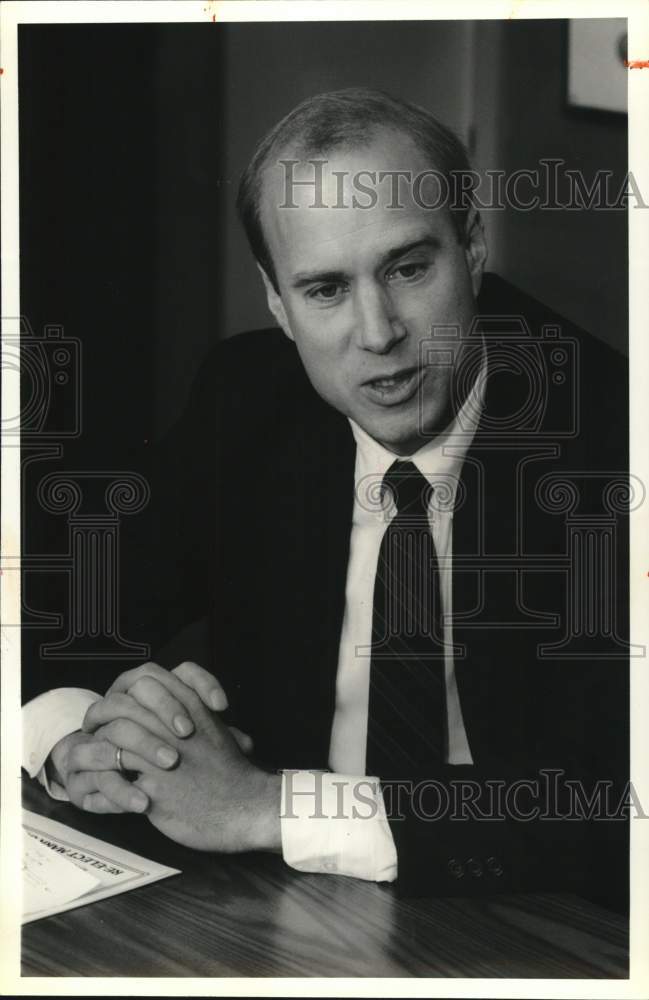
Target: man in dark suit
pixel 398 517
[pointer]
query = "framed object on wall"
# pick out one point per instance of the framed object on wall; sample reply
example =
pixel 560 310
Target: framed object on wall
pixel 597 72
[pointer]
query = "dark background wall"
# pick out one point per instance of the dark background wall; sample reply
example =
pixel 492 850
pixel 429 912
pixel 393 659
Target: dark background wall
pixel 133 138
pixel 577 260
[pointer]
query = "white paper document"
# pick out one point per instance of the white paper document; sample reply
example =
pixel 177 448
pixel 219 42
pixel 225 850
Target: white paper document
pixel 63 868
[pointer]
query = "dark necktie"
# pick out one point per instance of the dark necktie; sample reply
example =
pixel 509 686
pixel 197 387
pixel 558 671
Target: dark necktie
pixel 406 733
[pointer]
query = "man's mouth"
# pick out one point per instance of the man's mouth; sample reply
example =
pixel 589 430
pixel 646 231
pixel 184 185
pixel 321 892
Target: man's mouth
pixel 394 388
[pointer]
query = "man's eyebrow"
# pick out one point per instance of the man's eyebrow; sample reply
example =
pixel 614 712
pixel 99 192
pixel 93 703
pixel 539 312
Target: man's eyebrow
pixel 302 278
pixel 430 242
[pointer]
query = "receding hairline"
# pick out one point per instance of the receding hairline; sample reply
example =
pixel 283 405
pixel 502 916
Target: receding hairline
pixel 303 152
pixel 300 147
pixel 340 120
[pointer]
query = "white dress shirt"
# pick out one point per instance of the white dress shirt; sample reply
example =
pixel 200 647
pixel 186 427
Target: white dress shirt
pixel 323 826
pixel 363 845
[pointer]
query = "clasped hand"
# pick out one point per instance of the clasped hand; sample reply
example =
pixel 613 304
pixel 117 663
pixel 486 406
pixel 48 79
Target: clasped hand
pixel 194 780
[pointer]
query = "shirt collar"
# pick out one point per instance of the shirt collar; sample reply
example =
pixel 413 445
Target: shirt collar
pixel 440 460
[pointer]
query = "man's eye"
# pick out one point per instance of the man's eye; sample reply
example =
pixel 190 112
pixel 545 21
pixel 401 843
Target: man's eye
pixel 408 271
pixel 326 293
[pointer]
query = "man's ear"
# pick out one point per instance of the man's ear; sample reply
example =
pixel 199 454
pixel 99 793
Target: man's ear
pixel 275 303
pixel 475 247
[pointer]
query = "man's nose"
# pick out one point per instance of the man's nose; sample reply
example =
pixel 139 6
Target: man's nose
pixel 378 327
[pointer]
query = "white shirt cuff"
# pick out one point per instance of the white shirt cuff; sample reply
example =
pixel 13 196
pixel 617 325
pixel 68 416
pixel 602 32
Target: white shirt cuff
pixel 336 823
pixel 46 720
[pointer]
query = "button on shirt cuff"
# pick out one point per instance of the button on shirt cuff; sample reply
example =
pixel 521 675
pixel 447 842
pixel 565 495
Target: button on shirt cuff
pixel 336 823
pixel 46 720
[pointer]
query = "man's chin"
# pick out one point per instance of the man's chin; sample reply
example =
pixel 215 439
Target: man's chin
pixel 398 439
pixel 405 437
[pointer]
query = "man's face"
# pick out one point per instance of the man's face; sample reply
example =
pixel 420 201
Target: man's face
pixel 361 288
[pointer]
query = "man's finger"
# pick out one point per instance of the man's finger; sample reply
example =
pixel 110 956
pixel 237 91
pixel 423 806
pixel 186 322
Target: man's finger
pixel 185 695
pixel 101 755
pixel 245 742
pixel 123 796
pixel 153 694
pixel 130 736
pixel 96 802
pixel 203 683
pixel 80 786
pixel 125 706
pixel 122 792
pixel 148 703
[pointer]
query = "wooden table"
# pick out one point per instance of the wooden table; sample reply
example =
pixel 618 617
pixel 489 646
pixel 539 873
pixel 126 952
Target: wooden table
pixel 250 915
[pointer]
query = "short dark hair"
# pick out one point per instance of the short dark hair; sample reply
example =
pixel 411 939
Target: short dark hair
pixel 346 118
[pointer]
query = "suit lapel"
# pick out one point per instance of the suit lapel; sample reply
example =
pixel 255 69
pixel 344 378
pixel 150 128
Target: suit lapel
pixel 311 478
pixel 498 636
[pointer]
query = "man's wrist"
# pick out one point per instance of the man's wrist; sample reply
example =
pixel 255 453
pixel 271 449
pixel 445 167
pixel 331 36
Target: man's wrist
pixel 55 765
pixel 47 719
pixel 265 829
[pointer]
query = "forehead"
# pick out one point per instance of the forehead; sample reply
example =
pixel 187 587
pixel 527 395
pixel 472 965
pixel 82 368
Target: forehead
pixel 351 208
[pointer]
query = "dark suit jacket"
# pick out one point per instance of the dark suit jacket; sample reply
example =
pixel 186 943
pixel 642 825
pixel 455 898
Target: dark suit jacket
pixel 248 530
